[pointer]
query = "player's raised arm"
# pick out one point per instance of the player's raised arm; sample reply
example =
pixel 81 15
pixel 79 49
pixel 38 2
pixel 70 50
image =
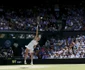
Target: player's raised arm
pixel 36 32
pixel 38 20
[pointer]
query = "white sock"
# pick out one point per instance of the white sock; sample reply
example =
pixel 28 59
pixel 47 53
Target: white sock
pixel 31 61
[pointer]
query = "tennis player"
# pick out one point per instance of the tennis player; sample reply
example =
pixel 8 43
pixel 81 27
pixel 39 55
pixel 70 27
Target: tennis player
pixel 30 47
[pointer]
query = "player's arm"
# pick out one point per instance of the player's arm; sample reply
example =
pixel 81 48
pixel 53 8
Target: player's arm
pixel 36 32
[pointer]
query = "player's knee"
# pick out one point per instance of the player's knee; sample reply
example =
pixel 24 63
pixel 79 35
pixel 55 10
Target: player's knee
pixel 26 52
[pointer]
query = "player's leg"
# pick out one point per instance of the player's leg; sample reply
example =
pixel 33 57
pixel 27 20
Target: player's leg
pixel 31 54
pixel 25 56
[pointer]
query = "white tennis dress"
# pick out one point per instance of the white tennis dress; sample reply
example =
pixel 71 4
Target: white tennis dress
pixel 31 45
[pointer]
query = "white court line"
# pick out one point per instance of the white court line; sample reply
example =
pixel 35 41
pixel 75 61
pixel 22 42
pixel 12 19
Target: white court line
pixel 23 66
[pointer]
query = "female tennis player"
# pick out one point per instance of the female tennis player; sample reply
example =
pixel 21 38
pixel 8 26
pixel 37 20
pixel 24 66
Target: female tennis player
pixel 30 47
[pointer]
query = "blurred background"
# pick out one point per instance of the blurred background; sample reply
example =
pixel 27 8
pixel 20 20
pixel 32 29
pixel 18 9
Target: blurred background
pixel 61 24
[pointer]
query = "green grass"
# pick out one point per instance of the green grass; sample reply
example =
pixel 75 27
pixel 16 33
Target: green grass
pixel 45 67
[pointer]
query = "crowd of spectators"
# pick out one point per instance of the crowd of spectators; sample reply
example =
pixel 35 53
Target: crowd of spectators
pixel 6 52
pixel 71 47
pixel 75 18
pixel 26 19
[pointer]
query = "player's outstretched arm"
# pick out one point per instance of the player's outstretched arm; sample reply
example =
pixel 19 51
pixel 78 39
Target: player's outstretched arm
pixel 36 32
